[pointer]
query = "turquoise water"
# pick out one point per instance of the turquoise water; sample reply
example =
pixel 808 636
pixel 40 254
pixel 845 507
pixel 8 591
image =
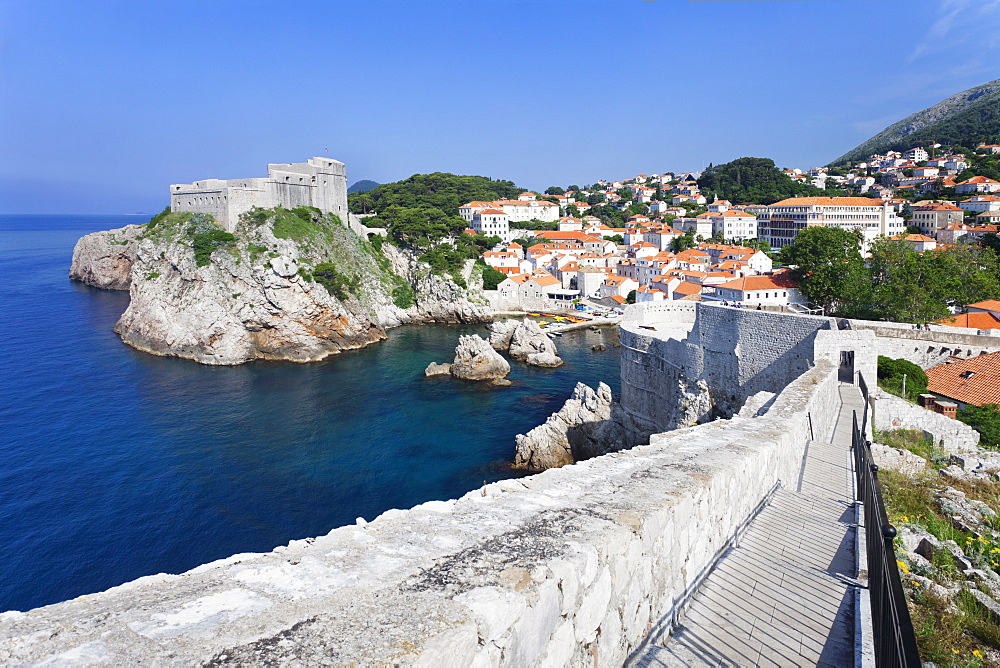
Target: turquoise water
pixel 116 464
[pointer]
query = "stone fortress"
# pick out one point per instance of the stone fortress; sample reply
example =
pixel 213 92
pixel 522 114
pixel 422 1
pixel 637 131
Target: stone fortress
pixel 319 182
pixel 584 565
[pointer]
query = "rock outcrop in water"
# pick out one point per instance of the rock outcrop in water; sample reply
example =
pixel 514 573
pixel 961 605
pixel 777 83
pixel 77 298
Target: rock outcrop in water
pixel 476 360
pixel 524 341
pixel 105 259
pixel 287 285
pixel 581 429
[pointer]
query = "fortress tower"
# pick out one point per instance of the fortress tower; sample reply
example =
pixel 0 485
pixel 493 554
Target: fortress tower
pixel 320 182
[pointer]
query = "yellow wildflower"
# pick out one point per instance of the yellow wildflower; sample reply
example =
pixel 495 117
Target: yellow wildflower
pixel 902 566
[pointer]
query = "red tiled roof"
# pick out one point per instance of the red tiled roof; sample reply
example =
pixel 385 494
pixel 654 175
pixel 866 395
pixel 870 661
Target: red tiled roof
pixel 760 283
pixel 975 380
pixel 829 201
pixel 974 320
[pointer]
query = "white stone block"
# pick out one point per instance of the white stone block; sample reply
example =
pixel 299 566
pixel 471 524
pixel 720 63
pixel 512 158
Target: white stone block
pixel 495 609
pixel 593 607
pixel 456 647
pixel 569 583
pixel 561 648
pixel 530 634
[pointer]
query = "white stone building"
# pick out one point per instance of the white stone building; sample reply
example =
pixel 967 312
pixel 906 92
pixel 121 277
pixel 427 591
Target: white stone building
pixel 320 182
pixel 492 223
pixel 780 223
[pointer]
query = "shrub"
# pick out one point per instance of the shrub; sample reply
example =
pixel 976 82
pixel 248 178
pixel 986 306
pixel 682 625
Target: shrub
pixel 403 295
pixel 204 243
pixel 336 284
pixel 291 225
pixel 158 218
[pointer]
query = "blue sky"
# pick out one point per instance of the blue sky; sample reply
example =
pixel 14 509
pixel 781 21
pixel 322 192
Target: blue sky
pixel 104 104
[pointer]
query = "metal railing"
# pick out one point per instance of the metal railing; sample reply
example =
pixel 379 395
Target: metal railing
pixel 863 386
pixel 895 642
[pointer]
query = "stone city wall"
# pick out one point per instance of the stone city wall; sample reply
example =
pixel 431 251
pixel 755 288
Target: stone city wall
pixel 690 365
pixel 576 566
pixel 892 412
pixel 927 348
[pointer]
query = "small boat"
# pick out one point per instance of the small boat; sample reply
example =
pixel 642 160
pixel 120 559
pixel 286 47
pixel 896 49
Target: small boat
pixel 535 315
pixel 556 333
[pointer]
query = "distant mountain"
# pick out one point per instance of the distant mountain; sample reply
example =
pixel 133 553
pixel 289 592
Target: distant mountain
pixel 363 186
pixel 963 119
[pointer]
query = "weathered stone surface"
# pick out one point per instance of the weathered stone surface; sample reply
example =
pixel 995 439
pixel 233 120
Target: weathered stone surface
pixel 247 304
pixel 435 369
pixel 104 259
pixel 476 360
pixel 528 343
pixel 897 459
pixel 500 333
pixel 570 434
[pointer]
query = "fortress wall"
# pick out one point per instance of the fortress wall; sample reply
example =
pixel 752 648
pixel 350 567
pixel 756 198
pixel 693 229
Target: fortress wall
pixel 729 353
pixel 571 567
pixel 892 412
pixel 927 348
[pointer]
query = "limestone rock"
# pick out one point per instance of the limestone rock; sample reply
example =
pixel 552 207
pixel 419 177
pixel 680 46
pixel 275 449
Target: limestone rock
pixel 104 259
pixel 897 459
pixel 500 333
pixel 435 369
pixel 528 343
pixel 571 434
pixel 256 299
pixel 476 360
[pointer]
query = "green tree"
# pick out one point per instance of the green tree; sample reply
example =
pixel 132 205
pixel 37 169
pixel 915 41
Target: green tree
pixel 986 420
pixel 683 242
pixel 571 210
pixel 630 298
pixel 756 244
pixel 828 267
pixel 492 278
pixel 890 377
pixel 554 190
pixel 754 180
pixel 902 289
pixel 361 203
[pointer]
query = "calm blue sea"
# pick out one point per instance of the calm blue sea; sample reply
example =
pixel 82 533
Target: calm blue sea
pixel 116 464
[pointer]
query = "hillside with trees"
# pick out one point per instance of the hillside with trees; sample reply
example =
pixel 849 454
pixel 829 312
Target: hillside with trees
pixel 439 190
pixel 421 213
pixel 755 180
pixel 362 186
pixel 964 119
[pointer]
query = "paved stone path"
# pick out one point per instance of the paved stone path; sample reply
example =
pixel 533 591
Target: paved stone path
pixel 783 597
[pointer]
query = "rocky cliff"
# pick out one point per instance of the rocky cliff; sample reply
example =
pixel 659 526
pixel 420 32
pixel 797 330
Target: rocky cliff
pixel 286 285
pixel 588 425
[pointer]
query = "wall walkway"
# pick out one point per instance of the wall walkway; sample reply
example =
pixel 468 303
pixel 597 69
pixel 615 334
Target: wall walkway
pixel 784 595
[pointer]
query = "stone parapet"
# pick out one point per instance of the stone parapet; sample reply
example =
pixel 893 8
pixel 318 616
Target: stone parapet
pixel 573 566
